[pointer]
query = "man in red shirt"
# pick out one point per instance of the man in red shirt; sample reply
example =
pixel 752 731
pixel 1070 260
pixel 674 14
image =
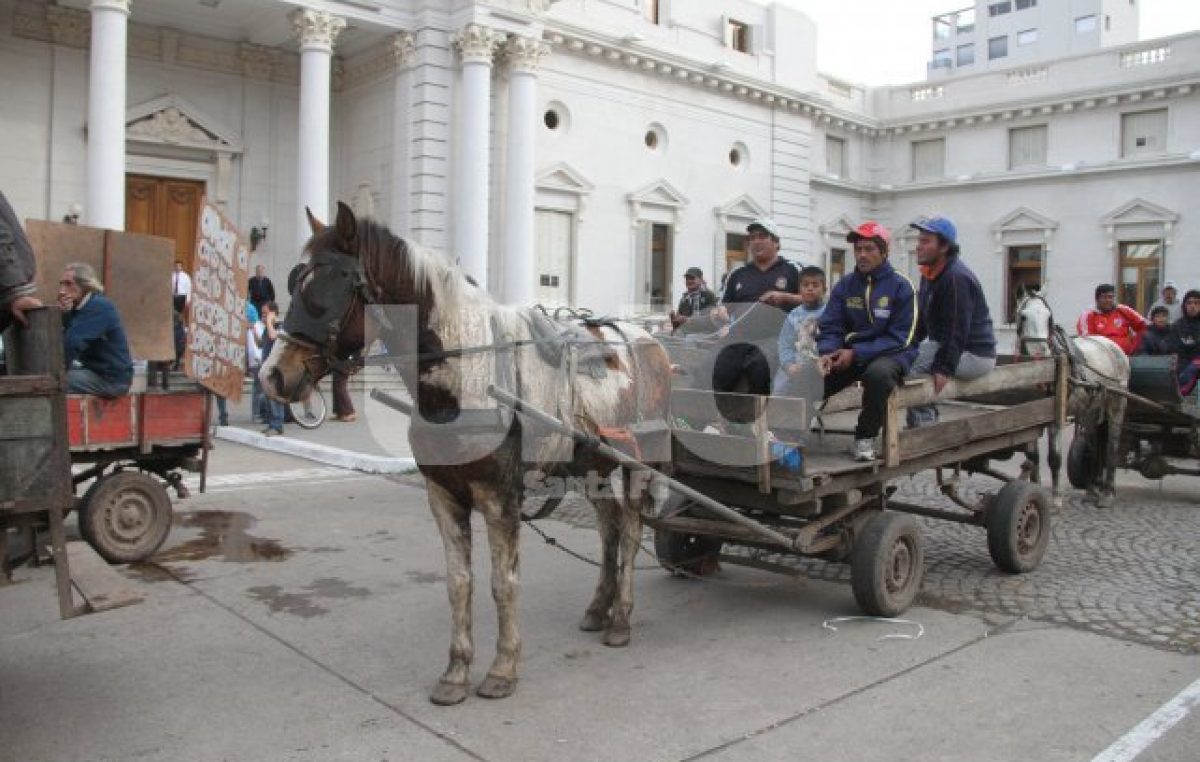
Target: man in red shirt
pixel 1121 324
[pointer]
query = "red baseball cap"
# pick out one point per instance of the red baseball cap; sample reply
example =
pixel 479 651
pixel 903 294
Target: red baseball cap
pixel 870 229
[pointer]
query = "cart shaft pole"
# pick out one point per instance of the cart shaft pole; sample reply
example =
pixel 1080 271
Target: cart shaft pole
pixel 588 440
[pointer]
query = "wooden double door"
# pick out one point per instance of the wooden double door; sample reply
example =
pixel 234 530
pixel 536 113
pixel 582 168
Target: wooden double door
pixel 166 207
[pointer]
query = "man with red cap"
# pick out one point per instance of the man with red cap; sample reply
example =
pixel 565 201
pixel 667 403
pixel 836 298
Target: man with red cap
pixel 867 332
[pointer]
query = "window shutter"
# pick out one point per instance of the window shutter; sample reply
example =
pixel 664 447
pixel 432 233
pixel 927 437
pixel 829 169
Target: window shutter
pixel 1027 147
pixel 929 159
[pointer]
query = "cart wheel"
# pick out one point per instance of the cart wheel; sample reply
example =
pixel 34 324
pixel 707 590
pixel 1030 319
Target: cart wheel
pixel 309 413
pixel 687 554
pixel 1081 462
pixel 888 564
pixel 1018 527
pixel 125 516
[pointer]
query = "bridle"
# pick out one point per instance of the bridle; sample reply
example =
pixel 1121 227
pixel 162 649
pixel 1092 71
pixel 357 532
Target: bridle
pixel 315 321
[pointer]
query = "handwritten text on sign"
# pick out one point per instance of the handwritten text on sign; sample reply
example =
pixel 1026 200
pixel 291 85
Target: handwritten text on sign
pixel 216 350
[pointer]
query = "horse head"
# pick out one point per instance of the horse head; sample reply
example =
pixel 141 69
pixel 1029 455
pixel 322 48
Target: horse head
pixel 1035 322
pixel 325 320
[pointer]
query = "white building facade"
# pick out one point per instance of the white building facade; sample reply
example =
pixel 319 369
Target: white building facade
pixel 587 152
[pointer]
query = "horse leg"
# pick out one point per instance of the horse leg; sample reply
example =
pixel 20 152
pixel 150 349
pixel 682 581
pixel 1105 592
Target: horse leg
pixel 1115 412
pixel 630 529
pixel 454 523
pixel 503 523
pixel 599 612
pixel 1054 458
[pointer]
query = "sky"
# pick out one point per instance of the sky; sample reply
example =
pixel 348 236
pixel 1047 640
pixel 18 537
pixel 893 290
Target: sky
pixel 878 42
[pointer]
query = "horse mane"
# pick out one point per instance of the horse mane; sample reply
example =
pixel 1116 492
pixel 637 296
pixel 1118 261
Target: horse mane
pixel 443 292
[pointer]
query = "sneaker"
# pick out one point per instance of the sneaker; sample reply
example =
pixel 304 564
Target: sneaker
pixel 863 449
pixel 270 432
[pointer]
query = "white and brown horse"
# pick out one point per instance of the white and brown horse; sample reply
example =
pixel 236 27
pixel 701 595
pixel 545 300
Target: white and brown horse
pixel 459 341
pixel 1096 363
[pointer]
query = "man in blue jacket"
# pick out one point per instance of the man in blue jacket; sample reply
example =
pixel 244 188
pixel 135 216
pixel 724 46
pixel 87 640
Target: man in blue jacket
pixel 94 336
pixel 955 331
pixel 867 332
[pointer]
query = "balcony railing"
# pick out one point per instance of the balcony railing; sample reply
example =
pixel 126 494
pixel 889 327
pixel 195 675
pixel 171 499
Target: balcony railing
pixel 1145 56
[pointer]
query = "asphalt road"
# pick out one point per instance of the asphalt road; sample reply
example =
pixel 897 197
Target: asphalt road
pixel 299 612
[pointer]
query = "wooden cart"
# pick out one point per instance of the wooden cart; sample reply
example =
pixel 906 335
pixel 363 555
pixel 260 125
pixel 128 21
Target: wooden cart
pixel 1160 434
pixel 734 489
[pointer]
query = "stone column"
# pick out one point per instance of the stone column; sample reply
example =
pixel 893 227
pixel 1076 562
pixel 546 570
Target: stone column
pixel 524 55
pixel 476 44
pixel 106 115
pixel 317 31
pixel 403 51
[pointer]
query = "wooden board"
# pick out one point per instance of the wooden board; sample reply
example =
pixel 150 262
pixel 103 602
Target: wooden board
pixel 948 436
pixel 137 277
pixel 94 422
pixel 135 270
pixel 173 417
pixel 99 584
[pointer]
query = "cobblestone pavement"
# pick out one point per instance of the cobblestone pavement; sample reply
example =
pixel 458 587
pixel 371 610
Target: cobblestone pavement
pixel 1130 572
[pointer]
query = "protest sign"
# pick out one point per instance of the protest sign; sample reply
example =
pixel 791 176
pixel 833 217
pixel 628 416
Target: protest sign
pixel 216 345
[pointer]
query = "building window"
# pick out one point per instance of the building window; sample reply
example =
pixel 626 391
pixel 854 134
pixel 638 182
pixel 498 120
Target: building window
pixel 966 54
pixel 1085 24
pixel 551 119
pixel 1027 147
pixel 1141 266
pixel 999 9
pixel 1024 273
pixel 966 21
pixel 941 28
pixel 650 10
pixel 1027 37
pixel 1144 132
pixel 928 159
pixel 1023 4
pixel 737 35
pixel 941 59
pixel 837 266
pixel 835 156
pixel 997 48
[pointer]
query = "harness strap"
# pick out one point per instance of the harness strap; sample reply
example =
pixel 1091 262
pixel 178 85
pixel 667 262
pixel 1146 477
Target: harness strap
pixel 622 438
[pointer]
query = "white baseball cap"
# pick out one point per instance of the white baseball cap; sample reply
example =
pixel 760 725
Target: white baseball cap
pixel 765 224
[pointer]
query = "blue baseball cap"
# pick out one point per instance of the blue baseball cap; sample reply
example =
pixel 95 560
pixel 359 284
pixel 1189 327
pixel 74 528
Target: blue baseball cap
pixel 938 226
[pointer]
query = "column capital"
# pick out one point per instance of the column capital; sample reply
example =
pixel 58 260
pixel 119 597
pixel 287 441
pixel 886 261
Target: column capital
pixel 402 49
pixel 316 30
pixel 525 54
pixel 477 43
pixel 121 6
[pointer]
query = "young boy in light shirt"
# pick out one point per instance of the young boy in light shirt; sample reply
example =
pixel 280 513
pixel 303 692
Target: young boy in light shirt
pixel 799 332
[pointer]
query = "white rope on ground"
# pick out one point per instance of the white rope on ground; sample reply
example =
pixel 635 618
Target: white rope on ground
pixel 828 624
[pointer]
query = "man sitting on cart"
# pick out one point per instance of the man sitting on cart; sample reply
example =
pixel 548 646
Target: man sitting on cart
pixel 867 332
pixel 1186 339
pixel 94 338
pixel 955 337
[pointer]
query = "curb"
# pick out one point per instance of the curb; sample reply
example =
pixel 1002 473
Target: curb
pixel 333 456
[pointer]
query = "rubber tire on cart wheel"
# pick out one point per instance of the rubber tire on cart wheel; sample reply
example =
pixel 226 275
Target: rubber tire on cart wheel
pixel 887 564
pixel 687 554
pixel 1081 462
pixel 1018 527
pixel 125 516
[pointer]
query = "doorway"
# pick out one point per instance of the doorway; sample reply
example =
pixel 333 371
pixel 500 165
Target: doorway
pixel 553 242
pixel 166 207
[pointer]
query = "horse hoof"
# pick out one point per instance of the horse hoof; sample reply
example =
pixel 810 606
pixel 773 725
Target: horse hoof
pixel 448 694
pixel 494 687
pixel 593 622
pixel 617 637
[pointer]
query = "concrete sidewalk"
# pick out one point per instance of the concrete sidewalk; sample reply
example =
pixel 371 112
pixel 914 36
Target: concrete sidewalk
pixel 308 620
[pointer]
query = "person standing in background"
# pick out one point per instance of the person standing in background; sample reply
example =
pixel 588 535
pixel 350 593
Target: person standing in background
pixel 260 289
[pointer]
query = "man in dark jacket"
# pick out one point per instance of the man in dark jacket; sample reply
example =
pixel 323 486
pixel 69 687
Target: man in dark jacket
pixel 955 331
pixel 17 268
pixel 691 316
pixel 1185 336
pixel 867 332
pixel 260 289
pixel 94 336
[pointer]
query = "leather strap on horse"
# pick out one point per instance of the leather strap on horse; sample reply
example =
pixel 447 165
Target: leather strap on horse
pixel 622 438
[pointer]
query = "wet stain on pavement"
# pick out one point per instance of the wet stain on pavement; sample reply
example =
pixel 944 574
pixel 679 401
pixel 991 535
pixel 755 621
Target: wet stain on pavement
pixel 223 537
pixel 425 578
pixel 303 604
pixel 148 571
